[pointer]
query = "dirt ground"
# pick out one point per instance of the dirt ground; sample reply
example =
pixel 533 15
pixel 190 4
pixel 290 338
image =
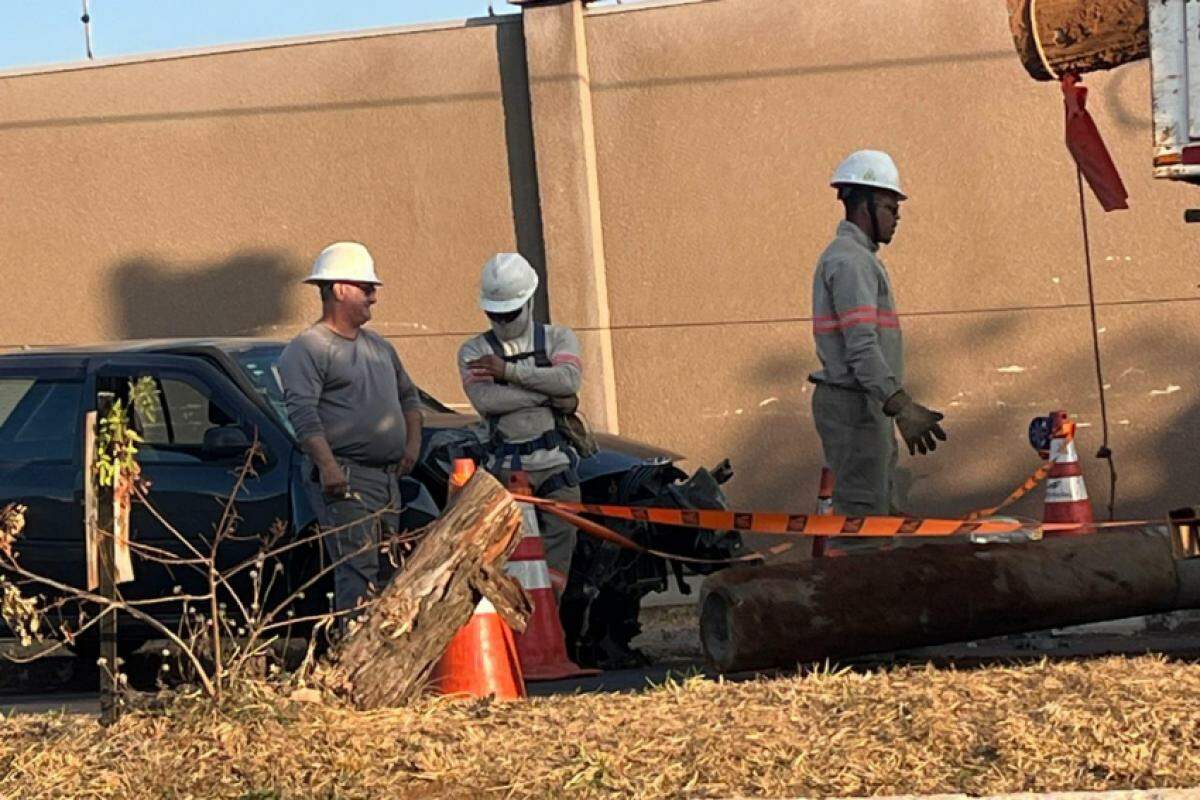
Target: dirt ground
pixel 670 634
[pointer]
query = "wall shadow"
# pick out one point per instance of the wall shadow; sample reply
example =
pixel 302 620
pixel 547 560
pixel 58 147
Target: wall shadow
pixel 1125 116
pixel 522 163
pixel 244 295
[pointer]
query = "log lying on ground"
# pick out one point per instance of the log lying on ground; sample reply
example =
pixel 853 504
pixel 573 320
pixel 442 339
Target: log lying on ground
pixel 1079 35
pixel 386 661
pixel 782 615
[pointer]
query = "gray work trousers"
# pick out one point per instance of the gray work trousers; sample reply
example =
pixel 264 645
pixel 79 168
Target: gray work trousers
pixel 356 533
pixel 558 535
pixel 859 441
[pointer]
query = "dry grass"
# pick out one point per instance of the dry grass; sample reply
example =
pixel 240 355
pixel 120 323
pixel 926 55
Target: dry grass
pixel 1114 723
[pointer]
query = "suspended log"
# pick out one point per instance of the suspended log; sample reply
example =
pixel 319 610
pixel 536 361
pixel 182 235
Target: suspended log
pixel 387 659
pixel 786 614
pixel 1079 35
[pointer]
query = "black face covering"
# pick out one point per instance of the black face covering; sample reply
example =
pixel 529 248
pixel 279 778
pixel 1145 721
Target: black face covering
pixel 507 331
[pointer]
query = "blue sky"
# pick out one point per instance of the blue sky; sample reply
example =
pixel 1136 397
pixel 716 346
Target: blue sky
pixel 36 32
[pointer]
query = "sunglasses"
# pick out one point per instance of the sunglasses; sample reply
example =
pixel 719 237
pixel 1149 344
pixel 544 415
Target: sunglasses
pixel 506 316
pixel 366 288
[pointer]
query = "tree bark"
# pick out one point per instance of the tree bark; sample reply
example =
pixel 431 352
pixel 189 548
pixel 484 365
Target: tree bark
pixel 387 659
pixel 1079 36
pixel 784 614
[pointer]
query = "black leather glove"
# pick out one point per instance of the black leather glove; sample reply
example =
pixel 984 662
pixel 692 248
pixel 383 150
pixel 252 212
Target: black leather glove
pixel 918 425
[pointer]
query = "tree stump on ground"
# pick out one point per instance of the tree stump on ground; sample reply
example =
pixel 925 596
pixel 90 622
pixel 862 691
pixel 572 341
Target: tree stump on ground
pixel 388 658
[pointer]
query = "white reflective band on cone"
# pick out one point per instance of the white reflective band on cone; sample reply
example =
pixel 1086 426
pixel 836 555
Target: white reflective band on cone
pixel 532 574
pixel 529 521
pixel 1063 455
pixel 485 607
pixel 1066 490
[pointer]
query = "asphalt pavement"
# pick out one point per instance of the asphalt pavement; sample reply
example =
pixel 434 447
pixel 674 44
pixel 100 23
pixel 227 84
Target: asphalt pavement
pixel 74 699
pixel 61 683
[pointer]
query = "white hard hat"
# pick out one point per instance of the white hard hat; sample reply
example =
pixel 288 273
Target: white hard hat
pixel 869 168
pixel 344 261
pixel 508 283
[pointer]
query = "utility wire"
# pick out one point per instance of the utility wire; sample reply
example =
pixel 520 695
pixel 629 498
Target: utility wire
pixel 1104 452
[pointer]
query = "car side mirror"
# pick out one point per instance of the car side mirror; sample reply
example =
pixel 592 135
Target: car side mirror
pixel 224 442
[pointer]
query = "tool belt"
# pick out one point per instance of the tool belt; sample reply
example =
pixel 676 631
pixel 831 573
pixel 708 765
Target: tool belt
pixel 550 440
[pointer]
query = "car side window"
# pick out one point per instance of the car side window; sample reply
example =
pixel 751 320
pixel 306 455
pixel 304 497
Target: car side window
pixel 185 415
pixel 39 419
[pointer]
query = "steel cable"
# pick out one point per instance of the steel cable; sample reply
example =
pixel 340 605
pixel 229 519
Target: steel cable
pixel 1105 452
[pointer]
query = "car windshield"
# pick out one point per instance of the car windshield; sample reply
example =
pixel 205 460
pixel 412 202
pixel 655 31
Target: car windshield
pixel 261 365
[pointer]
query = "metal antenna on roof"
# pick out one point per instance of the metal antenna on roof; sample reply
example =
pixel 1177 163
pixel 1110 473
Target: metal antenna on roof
pixel 86 19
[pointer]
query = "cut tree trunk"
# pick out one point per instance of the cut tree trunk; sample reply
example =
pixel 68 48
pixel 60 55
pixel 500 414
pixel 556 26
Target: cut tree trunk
pixel 387 660
pixel 781 615
pixel 1079 36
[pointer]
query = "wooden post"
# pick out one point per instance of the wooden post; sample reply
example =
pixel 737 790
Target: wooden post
pixel 91 511
pixel 109 704
pixel 1078 36
pixel 783 614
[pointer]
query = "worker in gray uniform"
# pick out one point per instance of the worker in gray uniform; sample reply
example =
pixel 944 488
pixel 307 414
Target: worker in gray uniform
pixel 357 415
pixel 859 399
pixel 522 377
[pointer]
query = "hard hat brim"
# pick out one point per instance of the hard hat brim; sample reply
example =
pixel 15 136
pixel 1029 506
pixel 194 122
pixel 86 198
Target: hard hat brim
pixel 872 185
pixel 313 281
pixel 504 306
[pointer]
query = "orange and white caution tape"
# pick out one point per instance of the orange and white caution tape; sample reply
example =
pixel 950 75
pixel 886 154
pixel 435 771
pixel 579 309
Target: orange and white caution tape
pixel 608 534
pixel 814 524
pixel 1025 488
pixel 785 524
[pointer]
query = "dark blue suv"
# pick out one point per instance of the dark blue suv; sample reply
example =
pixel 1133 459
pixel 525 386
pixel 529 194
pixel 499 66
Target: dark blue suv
pixel 216 396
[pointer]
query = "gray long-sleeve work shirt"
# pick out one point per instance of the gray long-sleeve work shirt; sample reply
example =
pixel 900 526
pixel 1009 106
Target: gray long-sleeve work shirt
pixel 354 392
pixel 520 406
pixel 855 326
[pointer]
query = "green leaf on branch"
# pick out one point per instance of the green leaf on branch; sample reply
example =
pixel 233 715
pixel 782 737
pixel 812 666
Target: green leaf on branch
pixel 116 439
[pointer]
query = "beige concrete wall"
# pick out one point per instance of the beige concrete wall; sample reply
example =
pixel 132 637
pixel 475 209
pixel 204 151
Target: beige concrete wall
pixel 187 196
pixel 565 146
pixel 717 127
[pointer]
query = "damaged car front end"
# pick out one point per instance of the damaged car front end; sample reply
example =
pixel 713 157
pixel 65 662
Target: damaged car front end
pixel 601 604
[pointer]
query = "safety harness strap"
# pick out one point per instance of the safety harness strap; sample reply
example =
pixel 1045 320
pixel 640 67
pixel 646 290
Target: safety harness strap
pixel 550 440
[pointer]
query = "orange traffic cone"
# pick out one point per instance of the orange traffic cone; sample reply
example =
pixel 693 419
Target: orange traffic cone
pixel 542 647
pixel 481 659
pixel 824 508
pixel 1066 494
pixel 464 469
